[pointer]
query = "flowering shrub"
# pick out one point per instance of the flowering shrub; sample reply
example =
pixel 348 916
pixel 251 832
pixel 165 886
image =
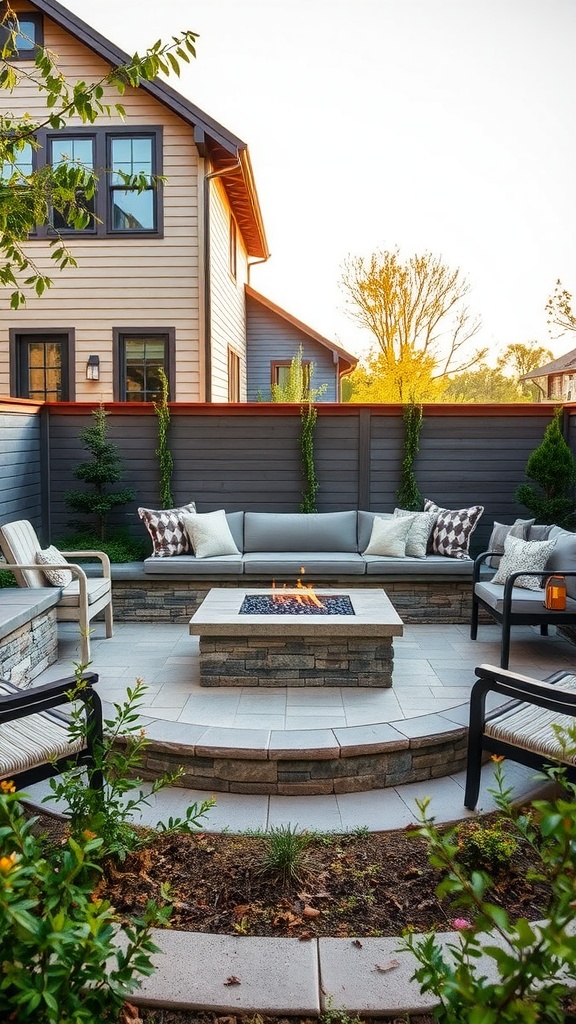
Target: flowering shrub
pixel 499 970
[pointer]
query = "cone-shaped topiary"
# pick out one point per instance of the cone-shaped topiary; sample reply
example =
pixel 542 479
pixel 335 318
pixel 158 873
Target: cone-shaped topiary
pixel 104 468
pixel 553 468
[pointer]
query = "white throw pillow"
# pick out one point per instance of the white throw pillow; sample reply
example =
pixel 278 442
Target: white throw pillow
pixel 209 534
pixel 419 532
pixel 388 537
pixel 524 554
pixel 56 577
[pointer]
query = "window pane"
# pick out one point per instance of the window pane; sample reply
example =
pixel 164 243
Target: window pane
pixel 132 211
pixel 22 162
pixel 282 373
pixel 144 358
pixel 43 361
pixel 73 150
pixel 131 156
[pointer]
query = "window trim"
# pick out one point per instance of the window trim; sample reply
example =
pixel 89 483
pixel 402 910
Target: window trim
pixel 276 363
pixel 119 361
pixel 102 136
pixel 15 335
pixel 37 20
pixel 233 248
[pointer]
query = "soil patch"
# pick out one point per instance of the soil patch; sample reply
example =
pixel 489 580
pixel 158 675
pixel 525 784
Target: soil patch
pixel 359 884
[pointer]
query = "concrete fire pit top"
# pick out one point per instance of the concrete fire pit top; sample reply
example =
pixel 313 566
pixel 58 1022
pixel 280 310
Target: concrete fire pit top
pixel 219 614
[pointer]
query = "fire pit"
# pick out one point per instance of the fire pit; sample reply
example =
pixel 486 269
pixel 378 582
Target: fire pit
pixel 275 638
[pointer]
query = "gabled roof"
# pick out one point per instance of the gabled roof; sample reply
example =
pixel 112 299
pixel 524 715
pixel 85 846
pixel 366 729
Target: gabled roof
pixel 347 361
pixel 213 140
pixel 563 364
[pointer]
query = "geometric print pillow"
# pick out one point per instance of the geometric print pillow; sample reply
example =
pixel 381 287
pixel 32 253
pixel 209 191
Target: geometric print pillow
pixel 166 528
pixel 524 554
pixel 453 528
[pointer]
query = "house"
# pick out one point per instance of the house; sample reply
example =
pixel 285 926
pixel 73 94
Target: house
pixel 161 273
pixel 555 381
pixel 274 337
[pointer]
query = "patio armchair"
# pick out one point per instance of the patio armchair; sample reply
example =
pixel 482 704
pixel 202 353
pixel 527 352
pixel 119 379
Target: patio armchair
pixel 522 729
pixel 515 606
pixel 81 599
pixel 34 739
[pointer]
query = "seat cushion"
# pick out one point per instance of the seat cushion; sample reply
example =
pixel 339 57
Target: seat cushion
pixel 533 728
pixel 286 566
pixel 523 601
pixel 433 565
pixel 189 565
pixel 97 588
pixel 33 740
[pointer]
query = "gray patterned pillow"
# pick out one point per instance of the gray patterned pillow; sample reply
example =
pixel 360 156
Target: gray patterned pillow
pixel 166 528
pixel 56 577
pixel 520 528
pixel 419 533
pixel 453 529
pixel 524 554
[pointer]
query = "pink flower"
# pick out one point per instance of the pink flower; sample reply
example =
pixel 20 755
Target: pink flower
pixel 460 923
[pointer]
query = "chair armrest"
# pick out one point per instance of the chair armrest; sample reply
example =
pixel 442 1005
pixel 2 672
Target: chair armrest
pixel 519 687
pixel 91 554
pixel 76 570
pixel 479 561
pixel 21 703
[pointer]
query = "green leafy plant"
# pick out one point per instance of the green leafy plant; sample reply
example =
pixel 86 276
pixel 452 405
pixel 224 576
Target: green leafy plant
pixel 119 757
pixel 163 453
pixel 61 960
pixel 7 579
pixel 118 545
pixel 308 417
pixel 102 469
pixel 408 494
pixel 284 854
pixel 499 970
pixel 487 847
pixel 552 467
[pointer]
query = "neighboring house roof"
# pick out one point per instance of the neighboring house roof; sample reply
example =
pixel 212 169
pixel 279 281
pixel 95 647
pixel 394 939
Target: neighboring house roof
pixel 346 360
pixel 564 364
pixel 211 138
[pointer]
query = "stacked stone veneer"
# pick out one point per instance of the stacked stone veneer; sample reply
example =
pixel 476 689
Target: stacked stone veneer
pixel 339 767
pixel 298 661
pixel 28 648
pixel 140 598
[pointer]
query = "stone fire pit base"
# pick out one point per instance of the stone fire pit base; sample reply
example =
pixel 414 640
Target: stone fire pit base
pixel 250 661
pixel 295 649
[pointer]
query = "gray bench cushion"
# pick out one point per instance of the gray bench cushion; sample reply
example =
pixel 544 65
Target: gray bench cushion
pixel 286 531
pixel 188 565
pixel 432 565
pixel 287 565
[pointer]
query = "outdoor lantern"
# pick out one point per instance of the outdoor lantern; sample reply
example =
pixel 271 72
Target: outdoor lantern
pixel 93 368
pixel 555 598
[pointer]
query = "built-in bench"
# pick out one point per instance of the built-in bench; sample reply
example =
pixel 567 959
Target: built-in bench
pixel 28 632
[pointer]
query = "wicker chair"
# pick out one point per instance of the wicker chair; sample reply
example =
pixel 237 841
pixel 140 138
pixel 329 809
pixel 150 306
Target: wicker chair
pixel 522 729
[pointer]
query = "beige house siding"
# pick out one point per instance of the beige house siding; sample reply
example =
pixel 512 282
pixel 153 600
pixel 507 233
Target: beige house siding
pixel 122 282
pixel 228 312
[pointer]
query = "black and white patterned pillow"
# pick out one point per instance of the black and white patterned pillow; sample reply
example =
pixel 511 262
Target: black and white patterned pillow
pixel 167 530
pixel 524 554
pixel 453 528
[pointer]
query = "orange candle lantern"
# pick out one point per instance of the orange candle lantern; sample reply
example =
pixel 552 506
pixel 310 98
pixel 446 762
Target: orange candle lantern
pixel 555 598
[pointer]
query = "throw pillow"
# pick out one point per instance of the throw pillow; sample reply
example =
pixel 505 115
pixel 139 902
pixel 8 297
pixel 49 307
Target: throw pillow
pixel 498 536
pixel 166 528
pixel 524 554
pixel 209 534
pixel 419 532
pixel 388 537
pixel 56 577
pixel 453 528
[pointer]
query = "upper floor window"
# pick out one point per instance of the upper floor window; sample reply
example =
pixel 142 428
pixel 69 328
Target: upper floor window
pixel 233 248
pixel 23 163
pixel 132 209
pixel 233 376
pixel 75 151
pixel 20 36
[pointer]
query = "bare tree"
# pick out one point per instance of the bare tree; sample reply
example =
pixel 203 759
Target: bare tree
pixel 559 309
pixel 415 305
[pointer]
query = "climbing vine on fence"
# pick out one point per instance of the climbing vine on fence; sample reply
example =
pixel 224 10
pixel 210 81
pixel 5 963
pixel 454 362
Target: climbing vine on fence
pixel 308 418
pixel 163 453
pixel 408 494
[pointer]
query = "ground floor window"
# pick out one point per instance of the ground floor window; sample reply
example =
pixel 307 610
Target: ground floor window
pixel 40 365
pixel 141 357
pixel 233 376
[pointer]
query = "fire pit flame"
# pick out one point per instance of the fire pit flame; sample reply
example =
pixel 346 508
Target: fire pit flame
pixel 302 594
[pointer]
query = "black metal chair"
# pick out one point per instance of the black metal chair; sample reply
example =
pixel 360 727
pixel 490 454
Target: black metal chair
pixel 34 737
pixel 522 729
pixel 515 606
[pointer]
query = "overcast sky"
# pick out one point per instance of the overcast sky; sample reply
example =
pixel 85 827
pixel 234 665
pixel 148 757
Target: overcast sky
pixel 436 125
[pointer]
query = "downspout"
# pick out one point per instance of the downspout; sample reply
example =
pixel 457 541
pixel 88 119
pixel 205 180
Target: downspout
pixel 208 280
pixel 254 263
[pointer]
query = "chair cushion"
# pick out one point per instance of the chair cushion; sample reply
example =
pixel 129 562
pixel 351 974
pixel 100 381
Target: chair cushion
pixel 563 556
pixel 453 528
pixel 56 577
pixel 166 528
pixel 533 728
pixel 33 740
pixel 96 588
pixel 524 554
pixel 523 601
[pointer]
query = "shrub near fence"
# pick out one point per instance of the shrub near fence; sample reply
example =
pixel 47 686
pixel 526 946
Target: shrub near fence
pixel 248 457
